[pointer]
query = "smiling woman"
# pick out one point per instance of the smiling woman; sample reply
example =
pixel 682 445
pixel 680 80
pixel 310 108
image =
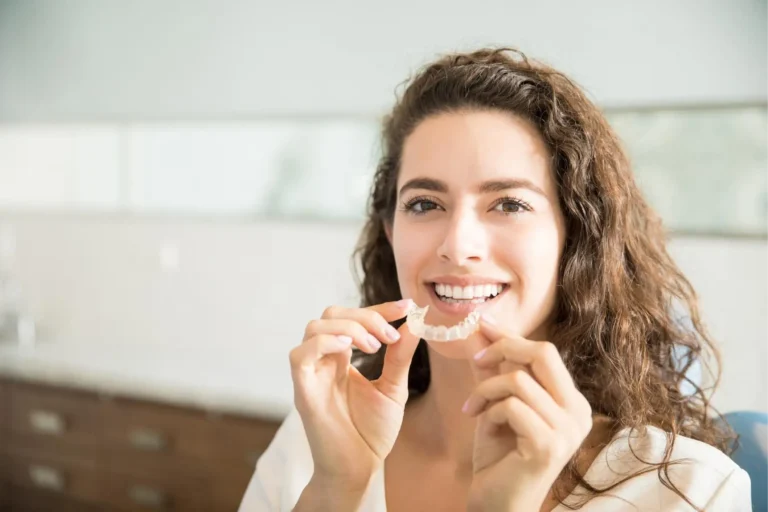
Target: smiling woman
pixel 502 192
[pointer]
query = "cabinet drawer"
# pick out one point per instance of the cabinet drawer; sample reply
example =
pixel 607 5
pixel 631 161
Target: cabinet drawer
pixel 228 489
pixel 5 463
pixel 5 425
pixel 5 496
pixel 69 416
pixel 5 405
pixel 166 493
pixel 240 441
pixel 136 427
pixel 67 478
pixel 143 428
pixel 23 499
pixel 4 483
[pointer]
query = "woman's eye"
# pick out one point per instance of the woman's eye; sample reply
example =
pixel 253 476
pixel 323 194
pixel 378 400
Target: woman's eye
pixel 422 206
pixel 509 207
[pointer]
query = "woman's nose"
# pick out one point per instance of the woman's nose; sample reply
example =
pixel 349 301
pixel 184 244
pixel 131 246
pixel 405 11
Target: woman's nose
pixel 465 240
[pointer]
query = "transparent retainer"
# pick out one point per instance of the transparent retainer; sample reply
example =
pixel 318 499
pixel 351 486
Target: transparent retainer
pixel 460 331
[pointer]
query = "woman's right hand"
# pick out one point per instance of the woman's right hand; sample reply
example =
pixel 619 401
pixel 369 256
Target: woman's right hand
pixel 351 423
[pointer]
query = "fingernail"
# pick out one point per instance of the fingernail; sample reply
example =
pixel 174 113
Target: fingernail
pixel 465 407
pixel 392 333
pixel 373 342
pixel 480 354
pixel 404 303
pixel 346 340
pixel 489 319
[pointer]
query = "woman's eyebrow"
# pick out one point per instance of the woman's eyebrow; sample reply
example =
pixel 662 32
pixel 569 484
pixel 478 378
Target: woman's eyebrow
pixel 507 184
pixel 484 188
pixel 424 184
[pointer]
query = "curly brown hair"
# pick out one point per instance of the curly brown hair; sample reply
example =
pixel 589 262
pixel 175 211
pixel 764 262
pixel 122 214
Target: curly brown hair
pixel 614 321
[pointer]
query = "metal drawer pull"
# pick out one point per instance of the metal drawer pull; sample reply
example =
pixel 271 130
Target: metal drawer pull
pixel 47 477
pixel 47 422
pixel 147 440
pixel 147 496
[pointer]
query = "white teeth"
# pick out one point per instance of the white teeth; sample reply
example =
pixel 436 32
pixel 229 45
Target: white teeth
pixel 480 291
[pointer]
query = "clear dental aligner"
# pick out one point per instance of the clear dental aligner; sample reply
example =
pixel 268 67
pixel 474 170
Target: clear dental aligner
pixel 460 331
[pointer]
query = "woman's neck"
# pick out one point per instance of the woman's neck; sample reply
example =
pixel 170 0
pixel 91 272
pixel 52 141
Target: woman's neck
pixel 435 420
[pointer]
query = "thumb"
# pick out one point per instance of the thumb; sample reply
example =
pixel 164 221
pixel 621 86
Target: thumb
pixel 397 364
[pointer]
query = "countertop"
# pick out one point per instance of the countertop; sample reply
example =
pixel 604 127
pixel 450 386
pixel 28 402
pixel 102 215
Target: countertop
pixel 249 381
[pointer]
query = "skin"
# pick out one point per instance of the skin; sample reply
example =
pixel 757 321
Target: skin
pixel 494 430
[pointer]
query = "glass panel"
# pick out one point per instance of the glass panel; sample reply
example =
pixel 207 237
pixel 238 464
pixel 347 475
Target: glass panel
pixel 702 170
pixel 202 169
pixel 63 167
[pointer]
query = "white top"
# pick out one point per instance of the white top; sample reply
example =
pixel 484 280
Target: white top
pixel 708 477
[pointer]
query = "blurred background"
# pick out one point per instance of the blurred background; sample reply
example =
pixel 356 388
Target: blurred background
pixel 182 185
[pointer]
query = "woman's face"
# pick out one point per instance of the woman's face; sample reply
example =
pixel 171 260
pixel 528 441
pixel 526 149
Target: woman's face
pixel 478 214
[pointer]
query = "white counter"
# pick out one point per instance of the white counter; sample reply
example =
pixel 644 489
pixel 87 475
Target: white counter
pixel 249 382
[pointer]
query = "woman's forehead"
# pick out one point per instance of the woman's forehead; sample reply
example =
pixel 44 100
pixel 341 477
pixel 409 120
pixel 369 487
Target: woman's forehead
pixel 464 150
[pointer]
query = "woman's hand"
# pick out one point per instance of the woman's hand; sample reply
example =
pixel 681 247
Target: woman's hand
pixel 351 422
pixel 532 419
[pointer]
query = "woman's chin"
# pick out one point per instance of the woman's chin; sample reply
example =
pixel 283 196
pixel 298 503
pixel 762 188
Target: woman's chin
pixel 459 349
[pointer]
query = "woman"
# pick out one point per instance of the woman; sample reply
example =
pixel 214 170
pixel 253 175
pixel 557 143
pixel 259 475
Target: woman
pixel 503 190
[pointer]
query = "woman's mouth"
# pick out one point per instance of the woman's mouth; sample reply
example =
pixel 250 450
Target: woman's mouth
pixel 475 294
pixel 461 300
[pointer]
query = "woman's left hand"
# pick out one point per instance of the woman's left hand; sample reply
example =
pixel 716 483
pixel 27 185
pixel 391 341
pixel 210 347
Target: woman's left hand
pixel 532 419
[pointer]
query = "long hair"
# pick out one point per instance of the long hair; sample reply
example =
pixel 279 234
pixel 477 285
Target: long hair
pixel 614 322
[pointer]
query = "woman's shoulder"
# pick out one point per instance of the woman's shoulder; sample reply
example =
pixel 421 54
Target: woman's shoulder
pixel 704 474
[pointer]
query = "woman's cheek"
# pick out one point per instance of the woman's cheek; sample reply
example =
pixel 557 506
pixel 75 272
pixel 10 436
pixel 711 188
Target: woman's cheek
pixel 410 254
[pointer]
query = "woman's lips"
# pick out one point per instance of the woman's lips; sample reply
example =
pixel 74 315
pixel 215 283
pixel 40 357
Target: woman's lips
pixel 464 308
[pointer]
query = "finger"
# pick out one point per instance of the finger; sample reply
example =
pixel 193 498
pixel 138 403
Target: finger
pixel 375 319
pixel 391 311
pixel 361 338
pixel 520 384
pixel 542 357
pixel 481 373
pixel 397 365
pixel 306 356
pixel 516 414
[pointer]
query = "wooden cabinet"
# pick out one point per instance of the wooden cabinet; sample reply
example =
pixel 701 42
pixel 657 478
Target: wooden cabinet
pixel 5 404
pixel 72 450
pixel 5 416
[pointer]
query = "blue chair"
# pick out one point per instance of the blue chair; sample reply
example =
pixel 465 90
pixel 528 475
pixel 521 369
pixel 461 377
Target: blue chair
pixel 752 452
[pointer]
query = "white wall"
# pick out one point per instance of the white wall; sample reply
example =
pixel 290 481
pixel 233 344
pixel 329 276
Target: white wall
pixel 143 59
pixel 152 284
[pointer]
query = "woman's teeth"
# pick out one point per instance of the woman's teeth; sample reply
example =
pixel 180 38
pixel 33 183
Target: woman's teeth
pixel 472 294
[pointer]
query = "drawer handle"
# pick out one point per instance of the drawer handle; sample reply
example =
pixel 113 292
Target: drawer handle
pixel 147 496
pixel 46 477
pixel 47 422
pixel 147 440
